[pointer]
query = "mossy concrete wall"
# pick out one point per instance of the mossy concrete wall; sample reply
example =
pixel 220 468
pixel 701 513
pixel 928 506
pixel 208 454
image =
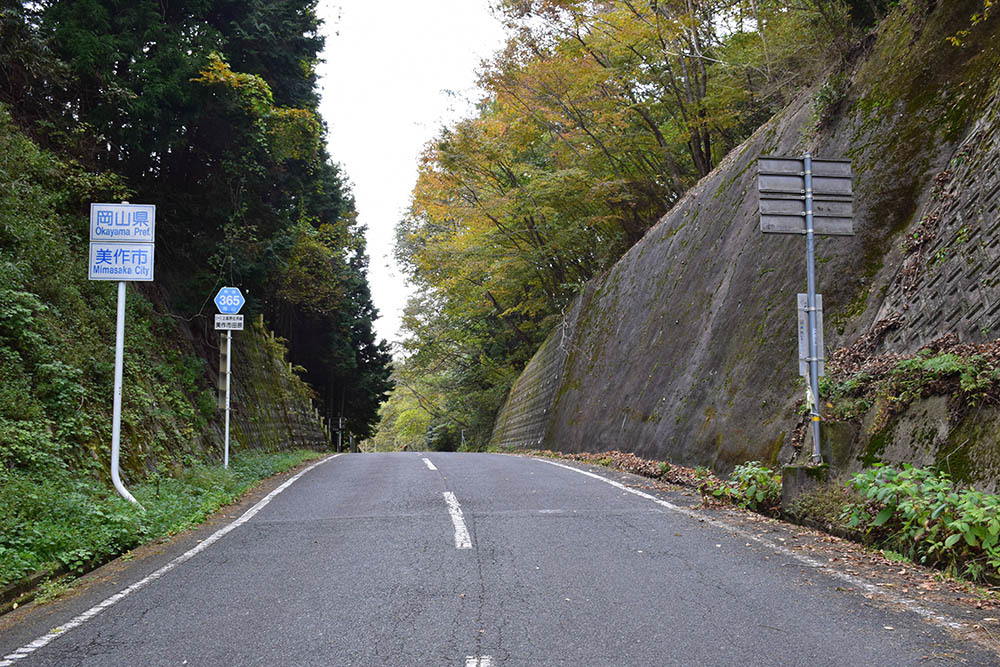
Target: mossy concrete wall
pixel 272 408
pixel 686 349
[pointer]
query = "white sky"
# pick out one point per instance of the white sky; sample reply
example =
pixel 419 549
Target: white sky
pixel 389 67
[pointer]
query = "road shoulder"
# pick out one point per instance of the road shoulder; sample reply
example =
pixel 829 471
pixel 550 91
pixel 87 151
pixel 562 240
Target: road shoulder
pixel 954 605
pixel 28 622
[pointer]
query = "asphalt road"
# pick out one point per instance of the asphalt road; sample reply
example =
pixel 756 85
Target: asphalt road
pixel 482 561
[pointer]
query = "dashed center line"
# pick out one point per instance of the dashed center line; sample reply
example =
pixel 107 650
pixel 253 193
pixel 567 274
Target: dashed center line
pixel 462 538
pixel 473 661
pixel 427 462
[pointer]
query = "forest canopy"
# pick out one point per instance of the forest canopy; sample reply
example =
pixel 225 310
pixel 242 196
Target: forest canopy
pixel 208 109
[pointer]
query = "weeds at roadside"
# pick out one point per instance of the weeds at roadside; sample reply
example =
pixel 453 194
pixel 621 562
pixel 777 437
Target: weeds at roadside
pixel 751 486
pixel 57 521
pixel 53 588
pixel 920 513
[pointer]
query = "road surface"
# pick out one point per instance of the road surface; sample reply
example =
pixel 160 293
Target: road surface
pixel 479 560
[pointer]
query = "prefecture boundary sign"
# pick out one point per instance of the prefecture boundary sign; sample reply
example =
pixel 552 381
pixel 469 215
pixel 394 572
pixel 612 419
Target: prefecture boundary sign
pixel 123 222
pixel 121 249
pixel 121 242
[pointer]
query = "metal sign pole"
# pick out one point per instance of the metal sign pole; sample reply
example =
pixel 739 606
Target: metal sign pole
pixel 817 456
pixel 229 367
pixel 116 419
pixel 818 193
pixel 229 301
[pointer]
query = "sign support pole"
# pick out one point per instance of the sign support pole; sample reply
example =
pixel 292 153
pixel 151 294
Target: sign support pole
pixel 817 456
pixel 116 423
pixel 819 193
pixel 229 301
pixel 229 367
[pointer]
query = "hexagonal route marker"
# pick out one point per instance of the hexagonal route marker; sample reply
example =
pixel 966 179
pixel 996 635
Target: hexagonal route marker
pixel 229 300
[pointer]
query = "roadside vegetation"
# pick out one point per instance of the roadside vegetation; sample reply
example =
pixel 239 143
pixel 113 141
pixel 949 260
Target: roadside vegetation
pixel 57 523
pixel 209 110
pixel 859 384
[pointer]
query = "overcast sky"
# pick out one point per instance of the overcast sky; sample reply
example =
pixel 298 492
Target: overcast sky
pixel 389 68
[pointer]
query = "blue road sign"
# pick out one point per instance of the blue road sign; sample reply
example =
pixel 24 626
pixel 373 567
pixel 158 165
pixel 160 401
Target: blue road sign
pixel 134 223
pixel 229 300
pixel 121 261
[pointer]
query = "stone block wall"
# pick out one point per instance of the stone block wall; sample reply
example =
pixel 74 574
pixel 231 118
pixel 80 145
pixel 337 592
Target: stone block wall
pixel 271 407
pixel 951 282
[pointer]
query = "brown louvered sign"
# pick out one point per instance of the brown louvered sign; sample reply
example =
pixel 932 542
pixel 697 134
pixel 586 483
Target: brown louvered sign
pixel 782 187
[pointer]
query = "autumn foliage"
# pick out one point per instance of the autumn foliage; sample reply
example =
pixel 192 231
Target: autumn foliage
pixel 595 119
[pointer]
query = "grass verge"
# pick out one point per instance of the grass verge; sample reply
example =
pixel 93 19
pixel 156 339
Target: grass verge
pixel 59 522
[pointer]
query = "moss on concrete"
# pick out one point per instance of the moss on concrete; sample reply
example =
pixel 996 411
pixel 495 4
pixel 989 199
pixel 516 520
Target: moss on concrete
pixel 652 329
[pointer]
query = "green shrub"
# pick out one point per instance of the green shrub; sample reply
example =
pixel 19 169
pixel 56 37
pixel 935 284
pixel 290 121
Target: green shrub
pixel 920 513
pixel 56 518
pixel 751 486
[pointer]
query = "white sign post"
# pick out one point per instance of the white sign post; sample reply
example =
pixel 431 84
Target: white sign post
pixel 121 248
pixel 229 301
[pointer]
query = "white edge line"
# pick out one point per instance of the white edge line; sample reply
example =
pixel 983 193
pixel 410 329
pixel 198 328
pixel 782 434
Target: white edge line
pixel 908 603
pixel 430 466
pixel 462 538
pixel 55 633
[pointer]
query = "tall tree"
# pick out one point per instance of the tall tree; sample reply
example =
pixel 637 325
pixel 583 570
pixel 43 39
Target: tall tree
pixel 208 108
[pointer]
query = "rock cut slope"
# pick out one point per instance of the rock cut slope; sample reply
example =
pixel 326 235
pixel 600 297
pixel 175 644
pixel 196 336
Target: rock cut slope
pixel 686 349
